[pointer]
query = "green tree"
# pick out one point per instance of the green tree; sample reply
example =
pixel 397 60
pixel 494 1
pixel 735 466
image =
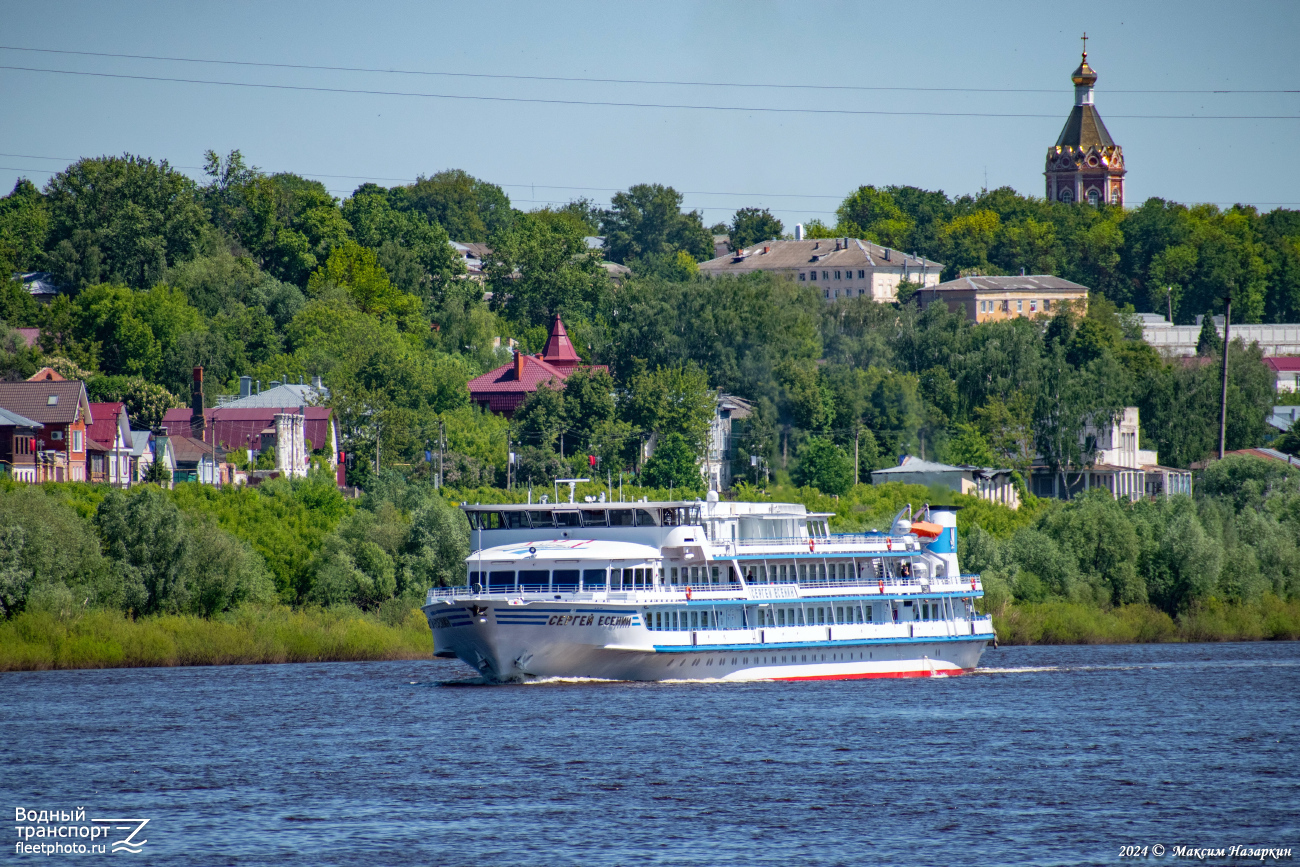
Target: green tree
pixel 872 214
pixel 416 253
pixel 968 446
pixel 672 400
pixel 824 466
pixel 47 552
pixel 467 208
pixel 1209 342
pixel 146 403
pixel 647 221
pixel 751 225
pixel 541 418
pixel 674 464
pixel 121 219
pixel 24 228
pixel 356 270
pixel 541 267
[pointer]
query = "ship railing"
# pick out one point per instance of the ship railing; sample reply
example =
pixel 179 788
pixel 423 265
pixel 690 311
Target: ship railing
pixel 703 592
pixel 745 546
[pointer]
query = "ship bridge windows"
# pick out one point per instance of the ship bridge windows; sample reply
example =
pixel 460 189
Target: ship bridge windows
pixel 514 520
pixel 567 519
pixel 485 520
pixel 593 517
pixel 534 580
pixel 540 519
pixel 620 518
pixel 645 519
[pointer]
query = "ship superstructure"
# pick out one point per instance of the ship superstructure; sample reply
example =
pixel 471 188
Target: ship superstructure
pixel 700 590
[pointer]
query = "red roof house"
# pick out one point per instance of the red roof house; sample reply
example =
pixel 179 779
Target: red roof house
pixel 239 427
pixel 503 390
pixel 1286 371
pixel 108 444
pixel 63 411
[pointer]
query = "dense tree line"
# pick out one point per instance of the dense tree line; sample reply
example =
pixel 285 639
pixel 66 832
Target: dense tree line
pixel 1234 543
pixel 196 550
pixel 270 276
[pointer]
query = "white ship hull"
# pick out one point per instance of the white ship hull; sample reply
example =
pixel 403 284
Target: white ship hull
pixel 515 642
pixel 706 591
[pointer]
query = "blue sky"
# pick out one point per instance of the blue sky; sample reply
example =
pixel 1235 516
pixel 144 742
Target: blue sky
pixel 798 164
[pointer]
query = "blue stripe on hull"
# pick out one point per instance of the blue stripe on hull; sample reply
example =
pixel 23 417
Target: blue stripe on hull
pixel 844 642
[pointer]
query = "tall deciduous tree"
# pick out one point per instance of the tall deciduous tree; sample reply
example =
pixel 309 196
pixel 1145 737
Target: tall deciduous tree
pixel 121 219
pixel 540 267
pixel 646 221
pixel 751 225
pixel 674 464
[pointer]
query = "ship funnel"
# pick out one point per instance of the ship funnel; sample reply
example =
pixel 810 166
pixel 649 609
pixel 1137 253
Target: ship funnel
pixel 945 544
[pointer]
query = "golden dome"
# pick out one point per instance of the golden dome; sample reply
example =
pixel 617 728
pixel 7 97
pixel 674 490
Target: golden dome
pixel 1085 74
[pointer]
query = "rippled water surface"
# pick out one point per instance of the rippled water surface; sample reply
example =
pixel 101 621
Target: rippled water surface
pixel 1046 756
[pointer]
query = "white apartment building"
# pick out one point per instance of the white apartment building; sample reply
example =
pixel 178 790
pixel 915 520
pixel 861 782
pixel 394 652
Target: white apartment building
pixel 837 267
pixel 1119 464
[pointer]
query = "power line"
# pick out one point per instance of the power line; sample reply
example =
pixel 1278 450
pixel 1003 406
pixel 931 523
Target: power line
pixel 611 104
pixel 584 80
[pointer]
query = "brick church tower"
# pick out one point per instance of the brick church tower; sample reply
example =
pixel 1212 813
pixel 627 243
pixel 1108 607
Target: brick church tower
pixel 1085 164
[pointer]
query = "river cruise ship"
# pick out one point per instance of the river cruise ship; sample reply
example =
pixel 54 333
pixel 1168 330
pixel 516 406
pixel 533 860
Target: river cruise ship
pixel 707 590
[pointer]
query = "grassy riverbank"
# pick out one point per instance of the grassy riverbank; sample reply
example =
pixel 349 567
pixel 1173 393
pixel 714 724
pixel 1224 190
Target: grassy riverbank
pixel 1074 623
pixel 107 639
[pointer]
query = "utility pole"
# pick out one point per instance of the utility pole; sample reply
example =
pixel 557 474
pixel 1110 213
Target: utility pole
pixel 1223 403
pixel 442 445
pixel 508 462
pixel 857 433
pixel 378 430
pixel 1169 299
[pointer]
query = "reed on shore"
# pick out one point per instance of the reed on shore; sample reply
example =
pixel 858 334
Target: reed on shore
pixel 1074 623
pixel 40 640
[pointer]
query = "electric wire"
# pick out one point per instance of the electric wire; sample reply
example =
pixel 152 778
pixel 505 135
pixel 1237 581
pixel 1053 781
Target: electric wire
pixel 592 80
pixel 758 109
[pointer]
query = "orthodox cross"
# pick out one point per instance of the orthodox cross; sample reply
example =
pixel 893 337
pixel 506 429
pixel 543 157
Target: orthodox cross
pixel 1085 43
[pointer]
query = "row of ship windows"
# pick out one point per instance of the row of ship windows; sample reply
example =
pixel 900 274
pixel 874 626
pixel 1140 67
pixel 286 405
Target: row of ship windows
pixel 820 615
pixel 641 578
pixel 548 519
pixel 848 275
pixel 785 657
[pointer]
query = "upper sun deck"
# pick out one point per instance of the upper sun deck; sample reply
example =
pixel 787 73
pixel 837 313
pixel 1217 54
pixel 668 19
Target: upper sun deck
pixel 670 523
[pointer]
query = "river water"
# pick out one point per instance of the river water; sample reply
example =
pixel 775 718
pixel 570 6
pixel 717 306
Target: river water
pixel 1046 756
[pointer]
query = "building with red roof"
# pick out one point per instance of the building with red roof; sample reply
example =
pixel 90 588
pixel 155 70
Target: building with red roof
pixel 253 428
pixel 1286 372
pixel 505 389
pixel 109 444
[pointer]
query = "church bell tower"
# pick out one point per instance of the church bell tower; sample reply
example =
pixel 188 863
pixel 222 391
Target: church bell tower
pixel 1085 164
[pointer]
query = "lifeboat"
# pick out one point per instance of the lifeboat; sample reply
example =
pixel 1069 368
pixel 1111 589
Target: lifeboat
pixel 926 530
